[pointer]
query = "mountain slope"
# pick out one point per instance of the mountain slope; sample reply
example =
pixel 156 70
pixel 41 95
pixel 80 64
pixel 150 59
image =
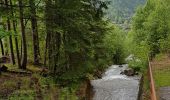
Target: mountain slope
pixel 122 10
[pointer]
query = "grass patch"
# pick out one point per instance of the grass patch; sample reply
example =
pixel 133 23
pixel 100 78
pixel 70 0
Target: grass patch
pixel 31 87
pixel 8 84
pixel 67 93
pixel 162 77
pixel 159 57
pixel 161 70
pixel 146 87
pixel 22 95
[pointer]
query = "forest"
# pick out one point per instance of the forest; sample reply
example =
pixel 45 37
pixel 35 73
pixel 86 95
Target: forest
pixel 121 11
pixel 51 49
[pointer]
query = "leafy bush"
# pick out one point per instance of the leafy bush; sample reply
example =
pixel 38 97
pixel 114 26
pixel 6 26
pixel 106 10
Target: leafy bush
pixel 137 65
pixel 114 42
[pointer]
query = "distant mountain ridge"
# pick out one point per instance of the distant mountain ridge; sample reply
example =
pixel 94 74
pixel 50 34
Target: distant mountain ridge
pixel 121 11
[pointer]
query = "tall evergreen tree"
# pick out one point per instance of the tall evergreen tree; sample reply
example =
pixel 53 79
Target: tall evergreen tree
pixel 9 29
pixel 34 31
pixel 24 43
pixel 16 39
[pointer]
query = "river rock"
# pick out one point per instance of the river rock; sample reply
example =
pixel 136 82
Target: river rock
pixel 120 66
pixel 128 72
pixel 98 74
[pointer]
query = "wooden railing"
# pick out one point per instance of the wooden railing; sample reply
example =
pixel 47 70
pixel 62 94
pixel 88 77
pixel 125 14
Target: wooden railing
pixel 152 84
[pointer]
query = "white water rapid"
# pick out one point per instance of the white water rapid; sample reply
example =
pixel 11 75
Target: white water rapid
pixel 114 86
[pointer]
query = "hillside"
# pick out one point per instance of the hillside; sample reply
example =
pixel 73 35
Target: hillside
pixel 122 10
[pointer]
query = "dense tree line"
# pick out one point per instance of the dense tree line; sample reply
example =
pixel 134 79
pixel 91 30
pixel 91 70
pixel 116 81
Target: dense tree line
pixel 67 36
pixel 150 30
pixel 121 11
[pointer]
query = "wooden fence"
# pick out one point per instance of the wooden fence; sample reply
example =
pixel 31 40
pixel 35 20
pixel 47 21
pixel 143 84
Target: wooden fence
pixel 152 84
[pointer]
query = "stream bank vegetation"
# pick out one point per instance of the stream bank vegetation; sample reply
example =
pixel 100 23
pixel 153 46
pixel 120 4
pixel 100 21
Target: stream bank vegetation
pixel 149 37
pixel 50 48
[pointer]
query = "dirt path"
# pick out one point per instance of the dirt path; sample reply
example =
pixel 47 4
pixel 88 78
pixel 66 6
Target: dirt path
pixel 161 73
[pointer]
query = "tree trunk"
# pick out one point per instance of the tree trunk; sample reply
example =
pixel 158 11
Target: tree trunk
pixel 2 47
pixel 6 46
pixel 45 51
pixel 34 31
pixel 24 44
pixel 1 43
pixel 10 37
pixel 49 32
pixel 54 38
pixel 5 42
pixel 16 40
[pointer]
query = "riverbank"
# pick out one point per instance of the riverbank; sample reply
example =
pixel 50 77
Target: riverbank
pixel 36 86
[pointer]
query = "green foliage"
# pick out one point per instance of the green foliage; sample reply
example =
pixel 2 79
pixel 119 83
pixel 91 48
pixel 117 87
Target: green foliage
pixel 165 45
pixel 162 78
pixel 121 11
pixel 151 24
pixel 79 42
pixel 137 65
pixel 139 52
pixel 68 93
pixel 71 77
pixel 159 57
pixel 161 70
pixel 8 84
pixel 21 95
pixel 115 45
pixel 79 37
pixel 4 33
pixel 150 30
pixel 76 44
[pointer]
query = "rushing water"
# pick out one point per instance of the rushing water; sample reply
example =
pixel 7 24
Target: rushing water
pixel 114 86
